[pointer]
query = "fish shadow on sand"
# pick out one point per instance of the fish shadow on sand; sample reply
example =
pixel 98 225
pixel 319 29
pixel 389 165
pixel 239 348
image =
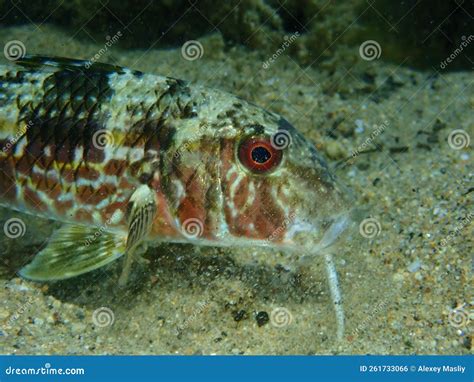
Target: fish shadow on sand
pixel 186 268
pixel 183 268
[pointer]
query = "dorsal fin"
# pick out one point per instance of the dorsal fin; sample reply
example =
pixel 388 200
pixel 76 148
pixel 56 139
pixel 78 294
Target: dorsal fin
pixel 35 62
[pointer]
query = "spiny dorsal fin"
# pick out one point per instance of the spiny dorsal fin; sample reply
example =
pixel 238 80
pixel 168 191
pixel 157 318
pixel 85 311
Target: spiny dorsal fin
pixel 36 62
pixel 74 250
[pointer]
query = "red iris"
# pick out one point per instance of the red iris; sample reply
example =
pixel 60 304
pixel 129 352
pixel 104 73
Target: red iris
pixel 258 155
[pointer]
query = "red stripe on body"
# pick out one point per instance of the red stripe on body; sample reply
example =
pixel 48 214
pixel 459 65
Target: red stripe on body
pixel 164 224
pixel 32 200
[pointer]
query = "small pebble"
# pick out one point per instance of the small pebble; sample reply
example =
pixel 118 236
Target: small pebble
pixel 398 277
pixel 239 315
pixel 235 351
pixel 359 126
pixel 335 150
pixel 4 314
pixel 415 266
pixel 262 318
pixel 38 321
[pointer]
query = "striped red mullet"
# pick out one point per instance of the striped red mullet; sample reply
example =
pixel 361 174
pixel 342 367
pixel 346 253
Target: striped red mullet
pixel 124 158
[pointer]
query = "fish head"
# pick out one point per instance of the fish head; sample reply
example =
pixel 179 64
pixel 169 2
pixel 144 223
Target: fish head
pixel 243 176
pixel 279 192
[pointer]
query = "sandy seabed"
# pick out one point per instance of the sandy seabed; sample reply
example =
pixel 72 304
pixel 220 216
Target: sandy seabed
pixel 406 289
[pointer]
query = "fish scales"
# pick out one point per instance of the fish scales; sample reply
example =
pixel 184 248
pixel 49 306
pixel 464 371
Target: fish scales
pixel 55 165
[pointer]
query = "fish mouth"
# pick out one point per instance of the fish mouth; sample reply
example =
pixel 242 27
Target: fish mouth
pixel 316 238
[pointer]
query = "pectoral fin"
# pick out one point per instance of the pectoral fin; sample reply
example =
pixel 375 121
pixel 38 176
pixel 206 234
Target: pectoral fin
pixel 74 250
pixel 142 211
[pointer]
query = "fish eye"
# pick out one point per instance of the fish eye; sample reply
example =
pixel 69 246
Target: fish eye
pixel 258 155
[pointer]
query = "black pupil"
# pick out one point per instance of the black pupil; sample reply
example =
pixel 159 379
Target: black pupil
pixel 260 154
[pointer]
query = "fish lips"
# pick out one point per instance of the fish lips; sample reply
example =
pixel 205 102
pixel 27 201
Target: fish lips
pixel 317 238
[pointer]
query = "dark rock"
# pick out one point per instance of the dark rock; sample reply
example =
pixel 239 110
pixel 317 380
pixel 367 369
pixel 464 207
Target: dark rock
pixel 239 315
pixel 262 318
